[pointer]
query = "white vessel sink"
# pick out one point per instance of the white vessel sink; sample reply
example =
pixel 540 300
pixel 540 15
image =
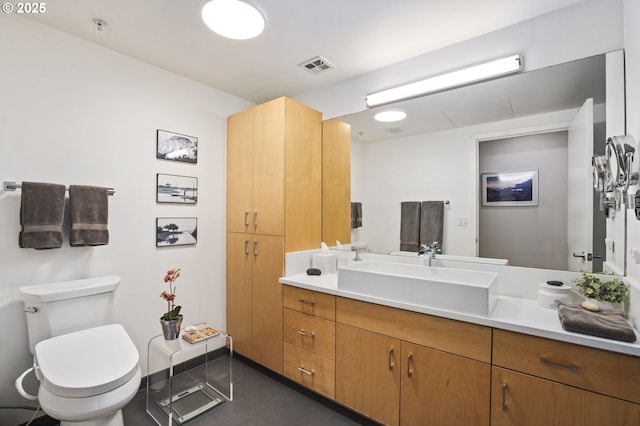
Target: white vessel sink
pixel 461 290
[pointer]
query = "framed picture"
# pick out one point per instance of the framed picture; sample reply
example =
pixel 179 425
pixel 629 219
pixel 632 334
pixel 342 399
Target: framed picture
pixel 510 189
pixel 176 147
pixel 176 231
pixel 176 189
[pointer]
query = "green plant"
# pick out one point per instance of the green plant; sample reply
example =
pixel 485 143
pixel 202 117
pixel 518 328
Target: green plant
pixel 613 290
pixel 173 312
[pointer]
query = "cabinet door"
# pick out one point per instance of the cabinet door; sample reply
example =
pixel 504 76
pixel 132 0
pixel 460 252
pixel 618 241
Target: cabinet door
pixel 239 171
pixel 367 373
pixel 267 253
pixel 442 389
pixel 239 318
pixel 268 168
pixel 520 399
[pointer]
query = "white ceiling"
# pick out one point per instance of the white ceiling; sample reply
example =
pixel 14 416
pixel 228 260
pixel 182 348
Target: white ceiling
pixel 357 36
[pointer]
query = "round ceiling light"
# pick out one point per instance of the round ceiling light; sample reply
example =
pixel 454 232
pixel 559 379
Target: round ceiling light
pixel 390 115
pixel 233 19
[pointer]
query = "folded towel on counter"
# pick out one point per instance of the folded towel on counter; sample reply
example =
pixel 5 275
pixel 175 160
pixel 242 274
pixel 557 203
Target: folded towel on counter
pixel 605 323
pixel 432 222
pixel 41 215
pixel 410 226
pixel 89 207
pixel 356 215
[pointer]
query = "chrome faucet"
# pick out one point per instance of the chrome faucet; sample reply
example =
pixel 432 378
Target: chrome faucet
pixel 428 251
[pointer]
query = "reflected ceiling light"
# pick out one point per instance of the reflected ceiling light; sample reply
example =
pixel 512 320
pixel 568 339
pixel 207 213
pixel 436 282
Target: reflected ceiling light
pixel 460 77
pixel 390 115
pixel 233 19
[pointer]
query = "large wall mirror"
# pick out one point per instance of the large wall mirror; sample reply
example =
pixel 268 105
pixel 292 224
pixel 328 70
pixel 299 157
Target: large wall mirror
pixel 449 140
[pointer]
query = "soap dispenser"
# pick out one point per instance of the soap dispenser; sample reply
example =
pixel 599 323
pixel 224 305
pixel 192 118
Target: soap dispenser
pixel 325 261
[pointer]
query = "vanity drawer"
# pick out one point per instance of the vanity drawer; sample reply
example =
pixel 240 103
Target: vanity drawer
pixel 311 333
pixel 310 370
pixel 601 371
pixel 457 337
pixel 310 302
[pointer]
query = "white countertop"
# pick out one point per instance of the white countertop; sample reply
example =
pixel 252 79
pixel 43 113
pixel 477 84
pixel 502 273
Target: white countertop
pixel 510 313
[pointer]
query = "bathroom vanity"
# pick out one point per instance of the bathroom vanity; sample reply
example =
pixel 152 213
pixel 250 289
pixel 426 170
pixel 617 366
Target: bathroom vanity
pixel 409 364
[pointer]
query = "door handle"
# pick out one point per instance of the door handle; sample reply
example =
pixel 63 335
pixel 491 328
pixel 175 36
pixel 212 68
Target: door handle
pixel 583 256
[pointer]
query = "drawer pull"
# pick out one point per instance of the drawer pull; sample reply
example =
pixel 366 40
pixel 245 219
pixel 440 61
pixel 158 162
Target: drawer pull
pixel 305 334
pixel 504 397
pixel 409 369
pixel 547 361
pixel 305 371
pixel 390 359
pixel 306 302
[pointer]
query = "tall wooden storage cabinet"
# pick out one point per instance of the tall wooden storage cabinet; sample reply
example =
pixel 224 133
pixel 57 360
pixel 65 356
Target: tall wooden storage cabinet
pixel 336 181
pixel 274 205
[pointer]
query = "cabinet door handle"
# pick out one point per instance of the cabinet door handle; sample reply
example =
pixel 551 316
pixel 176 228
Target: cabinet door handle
pixel 306 334
pixel 305 371
pixel 547 361
pixel 255 219
pixel 504 397
pixel 246 247
pixel 409 369
pixel 246 218
pixel 255 248
pixel 390 359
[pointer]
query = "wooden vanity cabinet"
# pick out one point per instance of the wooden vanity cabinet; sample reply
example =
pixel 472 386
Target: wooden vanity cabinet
pixel 407 368
pixel 309 339
pixel 541 381
pixel 274 200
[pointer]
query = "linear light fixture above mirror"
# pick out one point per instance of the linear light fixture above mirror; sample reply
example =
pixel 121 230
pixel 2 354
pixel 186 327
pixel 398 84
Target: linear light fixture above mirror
pixel 473 74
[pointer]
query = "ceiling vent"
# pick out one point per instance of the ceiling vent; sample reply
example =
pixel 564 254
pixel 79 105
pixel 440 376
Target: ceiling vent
pixel 316 65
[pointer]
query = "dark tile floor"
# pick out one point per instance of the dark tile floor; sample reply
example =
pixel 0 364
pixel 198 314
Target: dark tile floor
pixel 260 398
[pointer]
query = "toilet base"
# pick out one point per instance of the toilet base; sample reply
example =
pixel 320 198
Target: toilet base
pixel 114 419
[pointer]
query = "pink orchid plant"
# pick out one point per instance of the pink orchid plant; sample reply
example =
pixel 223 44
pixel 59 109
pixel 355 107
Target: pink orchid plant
pixel 173 312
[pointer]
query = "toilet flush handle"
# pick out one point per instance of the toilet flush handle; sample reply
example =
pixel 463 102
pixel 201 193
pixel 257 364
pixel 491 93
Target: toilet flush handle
pixel 20 388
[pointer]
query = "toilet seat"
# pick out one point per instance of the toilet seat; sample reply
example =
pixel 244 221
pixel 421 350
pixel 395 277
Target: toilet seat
pixel 87 362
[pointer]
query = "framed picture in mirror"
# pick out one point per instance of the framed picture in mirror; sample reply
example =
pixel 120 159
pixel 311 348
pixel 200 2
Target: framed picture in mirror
pixel 510 189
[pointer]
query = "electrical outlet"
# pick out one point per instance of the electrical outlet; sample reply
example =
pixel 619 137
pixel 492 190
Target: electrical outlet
pixel 463 221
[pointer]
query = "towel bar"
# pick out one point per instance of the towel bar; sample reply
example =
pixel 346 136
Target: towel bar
pixel 12 186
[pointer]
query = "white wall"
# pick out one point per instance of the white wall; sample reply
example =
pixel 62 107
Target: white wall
pixel 72 112
pixel 632 68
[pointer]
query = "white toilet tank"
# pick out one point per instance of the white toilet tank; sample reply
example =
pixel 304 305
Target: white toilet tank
pixel 63 307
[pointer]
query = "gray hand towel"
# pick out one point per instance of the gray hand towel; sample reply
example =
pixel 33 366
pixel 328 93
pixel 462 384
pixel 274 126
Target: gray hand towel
pixel 89 207
pixel 606 323
pixel 432 222
pixel 41 215
pixel 410 226
pixel 356 215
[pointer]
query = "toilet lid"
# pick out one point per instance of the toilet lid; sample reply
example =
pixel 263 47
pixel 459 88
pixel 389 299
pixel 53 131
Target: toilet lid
pixel 87 362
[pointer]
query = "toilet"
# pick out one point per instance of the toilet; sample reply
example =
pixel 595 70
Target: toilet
pixel 88 368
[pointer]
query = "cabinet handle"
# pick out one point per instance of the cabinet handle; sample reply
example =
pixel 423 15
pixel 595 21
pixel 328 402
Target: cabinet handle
pixel 504 397
pixel 390 363
pixel 305 334
pixel 306 302
pixel 547 361
pixel 409 370
pixel 305 371
pixel 246 247
pixel 246 218
pixel 255 219
pixel 255 248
